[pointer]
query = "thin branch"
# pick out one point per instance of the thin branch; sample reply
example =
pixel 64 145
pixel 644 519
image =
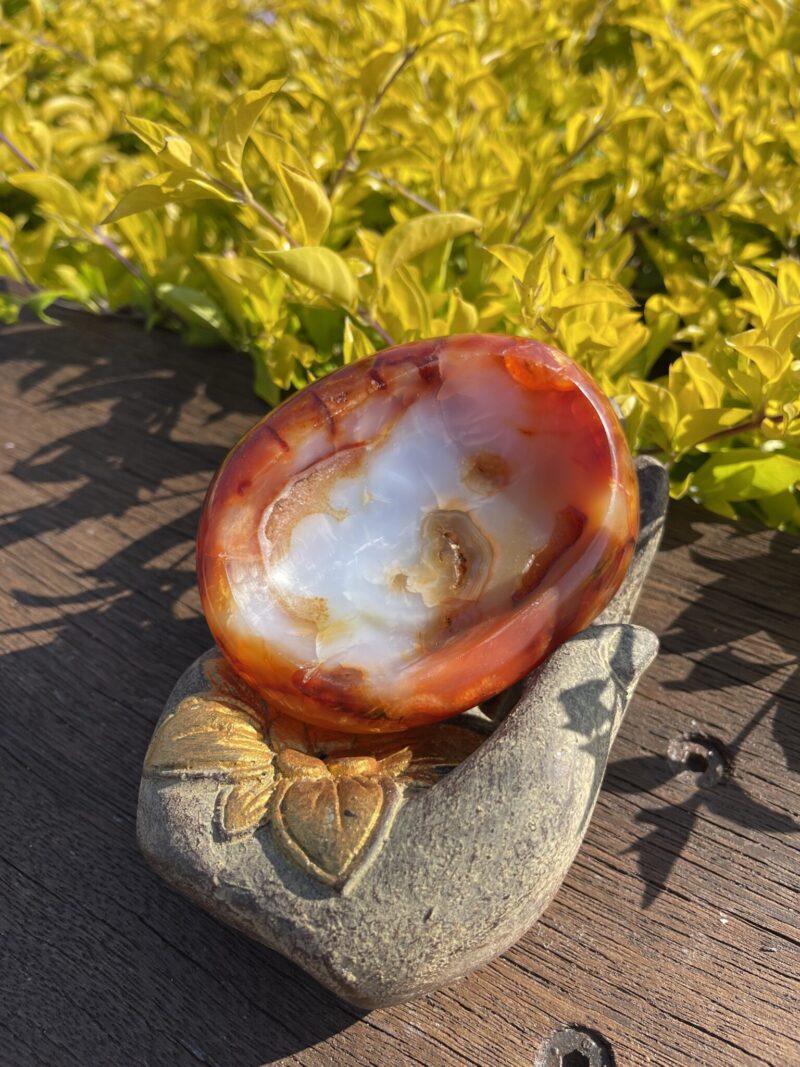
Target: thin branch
pixel 17 262
pixel 246 198
pixel 349 156
pixel 271 220
pixel 111 245
pixel 373 324
pixel 731 431
pixel 705 92
pixel 743 427
pixel 16 151
pixel 637 225
pixel 559 172
pixel 106 241
pixel 403 190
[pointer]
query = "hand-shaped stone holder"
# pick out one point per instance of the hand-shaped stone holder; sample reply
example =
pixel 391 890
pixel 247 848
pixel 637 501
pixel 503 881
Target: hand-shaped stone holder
pixel 386 875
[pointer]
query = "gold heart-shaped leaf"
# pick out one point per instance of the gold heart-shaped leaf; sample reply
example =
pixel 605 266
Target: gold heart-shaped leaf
pixel 325 824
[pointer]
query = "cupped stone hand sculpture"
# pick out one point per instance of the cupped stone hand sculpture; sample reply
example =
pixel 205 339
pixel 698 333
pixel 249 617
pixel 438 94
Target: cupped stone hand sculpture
pixel 391 862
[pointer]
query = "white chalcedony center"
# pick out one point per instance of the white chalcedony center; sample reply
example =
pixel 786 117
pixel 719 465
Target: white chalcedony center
pixel 436 519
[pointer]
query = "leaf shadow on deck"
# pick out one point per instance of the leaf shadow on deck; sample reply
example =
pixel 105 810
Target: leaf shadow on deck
pixel 110 439
pixel 708 636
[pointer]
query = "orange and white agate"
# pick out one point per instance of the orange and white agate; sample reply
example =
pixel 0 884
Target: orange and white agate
pixel 410 535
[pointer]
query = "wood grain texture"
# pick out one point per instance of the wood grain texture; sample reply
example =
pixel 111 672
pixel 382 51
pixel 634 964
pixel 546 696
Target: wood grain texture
pixel 676 932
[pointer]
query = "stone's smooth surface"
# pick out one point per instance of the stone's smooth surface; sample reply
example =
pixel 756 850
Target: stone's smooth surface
pixel 433 881
pixel 414 533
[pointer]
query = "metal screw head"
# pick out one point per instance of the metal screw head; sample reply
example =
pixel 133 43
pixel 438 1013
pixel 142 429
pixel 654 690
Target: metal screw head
pixel 575 1046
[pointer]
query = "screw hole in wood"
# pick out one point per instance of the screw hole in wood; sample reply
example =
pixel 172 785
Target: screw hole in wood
pixel 698 759
pixel 575 1046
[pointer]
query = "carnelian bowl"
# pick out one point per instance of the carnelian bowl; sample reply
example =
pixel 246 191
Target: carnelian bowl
pixel 412 534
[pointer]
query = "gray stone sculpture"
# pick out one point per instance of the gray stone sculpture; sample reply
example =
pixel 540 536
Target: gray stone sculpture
pixel 389 870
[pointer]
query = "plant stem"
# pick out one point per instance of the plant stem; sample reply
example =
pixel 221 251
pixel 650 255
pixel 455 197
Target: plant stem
pixel 12 255
pixel 349 155
pixel 731 431
pixel 107 242
pixel 16 151
pixel 403 190
pixel 559 172
pixel 111 245
pixel 246 198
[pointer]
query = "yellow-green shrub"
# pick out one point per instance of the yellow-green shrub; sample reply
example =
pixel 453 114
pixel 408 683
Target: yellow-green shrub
pixel 310 180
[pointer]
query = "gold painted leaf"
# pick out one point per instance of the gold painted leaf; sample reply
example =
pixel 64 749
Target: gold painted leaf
pixel 326 824
pixel 211 738
pixel 243 807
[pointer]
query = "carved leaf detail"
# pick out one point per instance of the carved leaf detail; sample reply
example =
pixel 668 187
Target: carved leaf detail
pixel 325 824
pixel 329 795
pixel 207 737
pixel 242 808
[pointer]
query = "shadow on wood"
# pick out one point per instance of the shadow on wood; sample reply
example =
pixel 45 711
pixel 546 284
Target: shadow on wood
pixel 124 972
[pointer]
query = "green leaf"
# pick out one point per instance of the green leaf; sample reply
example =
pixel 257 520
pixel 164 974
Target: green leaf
pixel 746 474
pixel 417 235
pixel 238 121
pixel 320 269
pixel 193 306
pixel 41 301
pixel 309 201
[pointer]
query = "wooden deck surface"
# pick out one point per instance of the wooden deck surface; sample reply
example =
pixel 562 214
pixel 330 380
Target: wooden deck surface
pixel 675 935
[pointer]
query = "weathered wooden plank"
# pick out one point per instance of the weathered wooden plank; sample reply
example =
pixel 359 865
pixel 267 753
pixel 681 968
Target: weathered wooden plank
pixel 676 933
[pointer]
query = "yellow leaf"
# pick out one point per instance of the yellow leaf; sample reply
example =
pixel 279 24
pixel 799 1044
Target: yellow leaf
pixel 512 256
pixel 463 316
pixel 762 292
pixel 406 302
pixel 417 235
pixel 165 142
pixel 377 69
pixel 309 201
pixel 784 327
pixel 320 269
pixel 661 413
pixel 592 292
pixel 356 343
pixel 13 62
pixel 169 188
pixel 697 426
pixel 56 196
pixel 238 121
pixel 154 134
pixel 7 229
pixel 769 360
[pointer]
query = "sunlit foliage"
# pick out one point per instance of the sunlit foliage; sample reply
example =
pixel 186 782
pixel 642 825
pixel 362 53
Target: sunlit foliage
pixel 308 181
